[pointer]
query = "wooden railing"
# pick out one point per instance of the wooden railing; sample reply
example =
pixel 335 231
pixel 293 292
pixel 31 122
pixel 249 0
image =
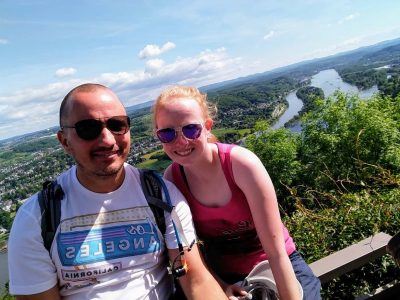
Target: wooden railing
pixel 353 257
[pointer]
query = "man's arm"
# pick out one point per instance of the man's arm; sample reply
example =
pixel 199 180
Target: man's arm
pixel 198 283
pixel 31 270
pixel 51 294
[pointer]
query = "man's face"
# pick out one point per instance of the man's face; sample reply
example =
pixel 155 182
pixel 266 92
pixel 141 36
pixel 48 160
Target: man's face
pixel 104 156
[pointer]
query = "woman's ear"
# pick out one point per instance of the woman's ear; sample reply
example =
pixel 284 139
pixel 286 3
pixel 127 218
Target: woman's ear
pixel 208 124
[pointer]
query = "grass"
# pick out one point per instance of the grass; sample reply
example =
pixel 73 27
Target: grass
pixel 3 240
pixel 222 131
pixel 9 158
pixel 150 154
pixel 154 164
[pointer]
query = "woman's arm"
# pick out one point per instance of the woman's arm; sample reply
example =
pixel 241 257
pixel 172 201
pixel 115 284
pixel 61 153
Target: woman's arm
pixel 252 178
pixel 198 283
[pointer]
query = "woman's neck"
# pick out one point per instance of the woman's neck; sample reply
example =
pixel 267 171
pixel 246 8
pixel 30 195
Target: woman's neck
pixel 205 167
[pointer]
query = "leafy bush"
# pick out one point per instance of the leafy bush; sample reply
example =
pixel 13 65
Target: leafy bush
pixel 350 140
pixel 278 151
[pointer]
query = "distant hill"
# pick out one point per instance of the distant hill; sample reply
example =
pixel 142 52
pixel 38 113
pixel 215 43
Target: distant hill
pixel 310 67
pixel 28 137
pixel 133 108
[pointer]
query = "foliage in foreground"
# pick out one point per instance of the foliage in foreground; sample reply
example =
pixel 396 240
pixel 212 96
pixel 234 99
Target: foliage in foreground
pixel 4 295
pixel 339 181
pixel 356 217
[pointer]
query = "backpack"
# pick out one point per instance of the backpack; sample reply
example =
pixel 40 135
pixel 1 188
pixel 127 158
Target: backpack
pixel 51 195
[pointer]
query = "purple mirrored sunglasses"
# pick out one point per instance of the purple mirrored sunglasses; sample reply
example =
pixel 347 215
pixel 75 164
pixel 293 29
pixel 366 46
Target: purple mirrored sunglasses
pixel 189 131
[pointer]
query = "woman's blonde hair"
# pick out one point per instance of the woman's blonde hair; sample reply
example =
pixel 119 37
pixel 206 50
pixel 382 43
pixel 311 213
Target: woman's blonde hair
pixel 180 92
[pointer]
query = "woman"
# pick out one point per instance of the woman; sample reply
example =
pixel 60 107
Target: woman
pixel 231 196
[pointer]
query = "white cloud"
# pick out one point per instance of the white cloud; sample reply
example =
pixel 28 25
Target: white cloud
pixel 155 50
pixel 269 35
pixel 3 41
pixel 32 109
pixel 207 67
pixel 348 18
pixel 64 72
pixel 154 65
pixel 37 108
pixel 167 46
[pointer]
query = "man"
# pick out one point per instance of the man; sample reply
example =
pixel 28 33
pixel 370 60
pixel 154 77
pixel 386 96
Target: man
pixel 107 245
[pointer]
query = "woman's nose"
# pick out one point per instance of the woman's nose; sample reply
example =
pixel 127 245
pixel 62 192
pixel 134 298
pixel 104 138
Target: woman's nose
pixel 180 138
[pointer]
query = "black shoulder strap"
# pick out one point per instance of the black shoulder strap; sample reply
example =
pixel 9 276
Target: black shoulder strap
pixel 50 207
pixel 152 190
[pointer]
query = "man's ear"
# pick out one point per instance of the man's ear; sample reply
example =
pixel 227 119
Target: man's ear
pixel 63 140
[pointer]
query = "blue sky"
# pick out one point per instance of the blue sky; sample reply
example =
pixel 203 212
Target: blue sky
pixel 139 47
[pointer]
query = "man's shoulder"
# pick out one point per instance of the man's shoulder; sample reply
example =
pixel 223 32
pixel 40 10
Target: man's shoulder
pixel 65 177
pixel 31 204
pixel 129 168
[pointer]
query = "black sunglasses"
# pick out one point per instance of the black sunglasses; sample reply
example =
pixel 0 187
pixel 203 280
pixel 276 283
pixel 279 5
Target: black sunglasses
pixel 189 131
pixel 90 129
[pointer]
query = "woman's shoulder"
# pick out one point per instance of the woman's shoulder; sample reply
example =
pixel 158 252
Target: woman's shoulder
pixel 241 154
pixel 245 163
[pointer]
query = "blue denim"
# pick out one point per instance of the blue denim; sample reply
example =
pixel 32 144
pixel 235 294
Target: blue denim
pixel 310 284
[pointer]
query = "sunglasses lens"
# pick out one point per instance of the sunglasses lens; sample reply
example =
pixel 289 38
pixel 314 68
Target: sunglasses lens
pixel 88 129
pixel 192 131
pixel 118 125
pixel 166 135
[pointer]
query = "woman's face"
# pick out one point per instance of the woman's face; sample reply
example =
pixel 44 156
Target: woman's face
pixel 177 113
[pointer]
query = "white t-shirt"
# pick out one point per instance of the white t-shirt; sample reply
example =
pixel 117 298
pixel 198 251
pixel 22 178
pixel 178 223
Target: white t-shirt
pixel 107 246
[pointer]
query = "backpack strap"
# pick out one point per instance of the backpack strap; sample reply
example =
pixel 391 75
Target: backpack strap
pixel 50 207
pixel 152 190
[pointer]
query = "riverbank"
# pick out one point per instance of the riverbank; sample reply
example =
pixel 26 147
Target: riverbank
pixel 327 80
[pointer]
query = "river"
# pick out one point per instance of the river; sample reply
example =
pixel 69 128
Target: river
pixel 329 81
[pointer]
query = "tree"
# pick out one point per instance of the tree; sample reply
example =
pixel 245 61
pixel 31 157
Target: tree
pixel 349 139
pixel 278 151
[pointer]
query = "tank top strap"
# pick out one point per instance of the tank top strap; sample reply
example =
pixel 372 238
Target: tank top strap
pixel 179 179
pixel 224 153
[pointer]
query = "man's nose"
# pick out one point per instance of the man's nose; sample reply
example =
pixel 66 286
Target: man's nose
pixel 106 137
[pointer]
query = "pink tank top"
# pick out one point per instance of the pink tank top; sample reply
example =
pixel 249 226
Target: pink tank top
pixel 232 247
